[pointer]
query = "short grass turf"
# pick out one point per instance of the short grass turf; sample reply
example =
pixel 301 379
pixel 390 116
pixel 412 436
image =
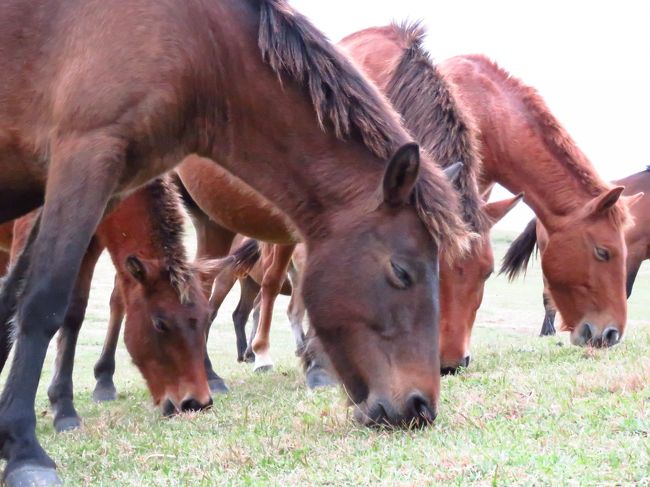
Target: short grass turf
pixel 528 411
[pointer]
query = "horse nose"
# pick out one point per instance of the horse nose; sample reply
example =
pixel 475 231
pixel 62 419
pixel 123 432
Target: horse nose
pixel 192 404
pixel 418 410
pixel 587 334
pixel 611 336
pixel 450 370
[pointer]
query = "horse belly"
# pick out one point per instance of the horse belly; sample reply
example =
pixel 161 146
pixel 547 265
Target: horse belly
pixel 233 204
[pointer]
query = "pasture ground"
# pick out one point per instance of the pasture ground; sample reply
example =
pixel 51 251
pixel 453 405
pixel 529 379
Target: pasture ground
pixel 528 411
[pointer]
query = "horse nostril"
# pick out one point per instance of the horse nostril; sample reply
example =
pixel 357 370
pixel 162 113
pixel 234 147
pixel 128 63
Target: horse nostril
pixel 611 336
pixel 194 405
pixel 587 333
pixel 467 360
pixel 168 408
pixel 419 409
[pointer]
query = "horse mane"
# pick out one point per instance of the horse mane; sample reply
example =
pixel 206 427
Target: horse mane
pixel 520 251
pixel 350 105
pixel 169 222
pixel 557 141
pixel 429 111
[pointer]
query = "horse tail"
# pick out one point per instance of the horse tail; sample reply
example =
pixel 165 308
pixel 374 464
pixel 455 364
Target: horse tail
pixel 245 257
pixel 518 255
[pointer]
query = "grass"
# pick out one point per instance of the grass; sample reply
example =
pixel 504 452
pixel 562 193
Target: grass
pixel 528 411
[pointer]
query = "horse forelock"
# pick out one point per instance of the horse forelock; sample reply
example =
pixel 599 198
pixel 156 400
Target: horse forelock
pixel 346 102
pixel 431 113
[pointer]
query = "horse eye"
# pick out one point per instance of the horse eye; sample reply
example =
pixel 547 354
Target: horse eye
pixel 601 254
pixel 160 326
pixel 402 276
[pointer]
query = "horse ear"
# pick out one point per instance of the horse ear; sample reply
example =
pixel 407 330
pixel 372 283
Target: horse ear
pixel 136 268
pixel 630 201
pixel 401 175
pixel 605 201
pixel 498 209
pixel 452 172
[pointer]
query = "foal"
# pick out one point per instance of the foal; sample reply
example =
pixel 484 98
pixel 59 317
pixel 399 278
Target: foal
pixel 166 311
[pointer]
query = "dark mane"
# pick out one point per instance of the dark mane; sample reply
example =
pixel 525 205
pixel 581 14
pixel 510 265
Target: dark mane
pixel 557 140
pixel 346 102
pixel 520 251
pixel 169 222
pixel 419 92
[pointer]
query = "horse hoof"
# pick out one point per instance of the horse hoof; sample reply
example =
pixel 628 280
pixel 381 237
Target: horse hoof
pixel 32 476
pixel 319 377
pixel 217 386
pixel 263 362
pixel 104 393
pixel 67 424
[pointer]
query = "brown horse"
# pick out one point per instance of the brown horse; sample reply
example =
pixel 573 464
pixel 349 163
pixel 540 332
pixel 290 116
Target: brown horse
pixel 165 317
pixel 525 149
pixel 213 241
pixel 395 59
pixel 637 238
pixel 89 114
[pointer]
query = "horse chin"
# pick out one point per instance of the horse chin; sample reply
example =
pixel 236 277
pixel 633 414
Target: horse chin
pixel 168 407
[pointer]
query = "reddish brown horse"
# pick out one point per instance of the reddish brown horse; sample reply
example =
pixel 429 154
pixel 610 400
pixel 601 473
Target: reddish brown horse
pixel 525 149
pixel 89 114
pixel 395 59
pixel 637 238
pixel 166 310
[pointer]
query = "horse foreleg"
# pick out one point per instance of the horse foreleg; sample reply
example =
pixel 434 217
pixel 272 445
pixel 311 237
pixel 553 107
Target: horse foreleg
pixel 83 175
pixel 223 283
pixel 271 284
pixel 105 366
pixel 548 325
pixel 60 392
pixel 318 368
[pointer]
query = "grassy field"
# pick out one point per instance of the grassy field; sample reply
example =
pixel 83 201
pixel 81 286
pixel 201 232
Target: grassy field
pixel 528 411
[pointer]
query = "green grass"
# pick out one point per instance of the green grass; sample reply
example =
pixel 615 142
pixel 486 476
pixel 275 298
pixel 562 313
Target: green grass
pixel 528 411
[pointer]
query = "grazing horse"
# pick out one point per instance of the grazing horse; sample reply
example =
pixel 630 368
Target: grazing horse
pixel 637 238
pixel 90 113
pixel 166 313
pixel 395 59
pixel 525 149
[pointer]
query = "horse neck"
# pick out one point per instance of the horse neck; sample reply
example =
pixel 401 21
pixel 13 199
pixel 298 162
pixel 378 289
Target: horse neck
pixel 272 140
pixel 518 150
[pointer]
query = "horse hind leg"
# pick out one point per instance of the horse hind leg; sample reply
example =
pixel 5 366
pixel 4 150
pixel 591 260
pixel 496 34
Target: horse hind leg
pixel 249 291
pixel 60 391
pixel 296 310
pixel 84 172
pixel 104 369
pixel 10 290
pixel 548 325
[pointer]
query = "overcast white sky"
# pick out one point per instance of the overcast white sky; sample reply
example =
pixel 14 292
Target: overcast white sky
pixel 590 60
